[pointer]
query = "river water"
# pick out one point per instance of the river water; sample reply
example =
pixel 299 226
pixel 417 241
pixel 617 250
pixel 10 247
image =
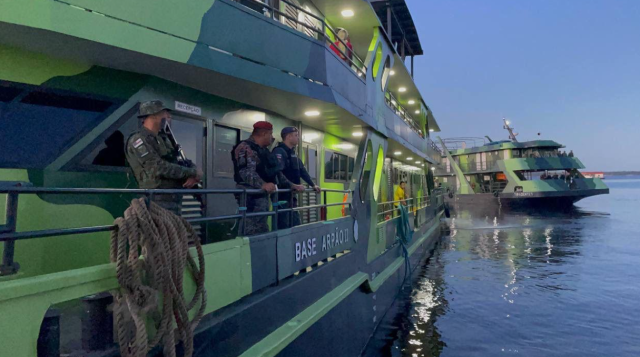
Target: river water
pixel 527 284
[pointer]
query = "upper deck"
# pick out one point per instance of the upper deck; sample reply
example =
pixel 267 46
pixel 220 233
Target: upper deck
pixel 464 146
pixel 280 55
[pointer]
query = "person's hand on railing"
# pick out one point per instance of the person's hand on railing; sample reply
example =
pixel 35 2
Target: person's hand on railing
pixel 317 188
pixel 191 182
pixel 269 187
pixel 297 188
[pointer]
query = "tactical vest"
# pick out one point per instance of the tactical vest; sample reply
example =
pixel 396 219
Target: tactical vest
pixel 291 169
pixel 267 169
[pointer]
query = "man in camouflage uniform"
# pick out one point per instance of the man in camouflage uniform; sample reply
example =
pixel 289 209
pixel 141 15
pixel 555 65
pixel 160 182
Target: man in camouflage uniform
pixel 255 168
pixel 154 159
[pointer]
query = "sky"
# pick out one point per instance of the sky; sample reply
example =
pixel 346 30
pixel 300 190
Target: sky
pixel 569 70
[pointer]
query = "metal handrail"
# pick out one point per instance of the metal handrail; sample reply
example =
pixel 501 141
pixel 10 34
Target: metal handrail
pixel 321 32
pixel 404 113
pixel 148 193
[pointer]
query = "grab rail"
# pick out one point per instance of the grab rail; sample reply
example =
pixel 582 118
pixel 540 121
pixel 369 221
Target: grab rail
pixel 8 235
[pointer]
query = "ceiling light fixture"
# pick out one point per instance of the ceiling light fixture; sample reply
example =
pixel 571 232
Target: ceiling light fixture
pixel 402 89
pixel 392 73
pixel 417 111
pixel 431 130
pixel 310 137
pixel 344 146
pixel 412 102
pixel 312 113
pixel 397 153
pixel 347 13
pixel 357 134
pixel 409 158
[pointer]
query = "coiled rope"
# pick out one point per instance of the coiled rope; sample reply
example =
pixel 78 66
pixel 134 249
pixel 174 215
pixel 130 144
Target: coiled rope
pixel 150 247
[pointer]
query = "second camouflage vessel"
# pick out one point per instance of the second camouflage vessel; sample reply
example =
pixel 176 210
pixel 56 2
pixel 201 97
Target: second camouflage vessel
pixel 513 173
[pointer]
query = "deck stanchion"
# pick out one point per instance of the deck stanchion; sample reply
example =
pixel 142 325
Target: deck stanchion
pixel 243 220
pixel 97 322
pixel 9 266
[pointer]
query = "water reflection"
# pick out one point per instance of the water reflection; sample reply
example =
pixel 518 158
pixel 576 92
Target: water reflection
pixel 501 267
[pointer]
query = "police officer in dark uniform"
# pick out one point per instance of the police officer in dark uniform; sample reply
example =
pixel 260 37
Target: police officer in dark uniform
pixel 154 160
pixel 293 169
pixel 256 168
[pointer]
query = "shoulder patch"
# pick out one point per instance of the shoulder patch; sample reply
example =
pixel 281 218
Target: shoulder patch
pixel 279 156
pixel 137 143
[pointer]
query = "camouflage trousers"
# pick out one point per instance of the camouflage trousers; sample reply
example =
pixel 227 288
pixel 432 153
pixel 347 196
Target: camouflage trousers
pixel 255 225
pixel 172 203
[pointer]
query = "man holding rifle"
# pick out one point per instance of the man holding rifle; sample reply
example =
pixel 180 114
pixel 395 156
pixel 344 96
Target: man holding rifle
pixel 155 160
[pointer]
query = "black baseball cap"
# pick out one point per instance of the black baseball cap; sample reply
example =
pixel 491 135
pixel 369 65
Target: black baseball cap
pixel 287 130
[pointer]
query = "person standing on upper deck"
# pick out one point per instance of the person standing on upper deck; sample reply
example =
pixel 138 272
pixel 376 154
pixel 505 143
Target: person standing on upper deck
pixel 399 196
pixel 256 168
pixel 293 169
pixel 154 159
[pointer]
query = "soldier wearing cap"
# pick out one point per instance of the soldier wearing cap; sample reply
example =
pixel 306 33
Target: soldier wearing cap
pixel 293 169
pixel 154 159
pixel 255 168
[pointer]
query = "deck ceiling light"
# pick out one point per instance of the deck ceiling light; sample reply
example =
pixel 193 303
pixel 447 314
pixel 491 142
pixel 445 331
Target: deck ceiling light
pixel 402 89
pixel 345 146
pixel 433 168
pixel 409 158
pixel 392 73
pixel 431 130
pixel 398 153
pixel 310 137
pixel 357 134
pixel 417 112
pixel 347 13
pixel 412 102
pixel 312 113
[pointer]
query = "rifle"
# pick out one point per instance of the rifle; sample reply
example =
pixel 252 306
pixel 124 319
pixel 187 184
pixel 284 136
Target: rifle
pixel 182 158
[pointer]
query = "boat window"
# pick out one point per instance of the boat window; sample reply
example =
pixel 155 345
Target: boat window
pixel 225 139
pixel 337 166
pixel 376 61
pixel 366 171
pixel 107 152
pixel 385 73
pixel 39 128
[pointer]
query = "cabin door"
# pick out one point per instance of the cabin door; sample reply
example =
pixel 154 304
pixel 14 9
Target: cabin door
pixel 310 160
pixel 191 135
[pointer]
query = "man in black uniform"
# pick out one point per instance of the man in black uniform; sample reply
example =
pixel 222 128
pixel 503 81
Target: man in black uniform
pixel 256 168
pixel 293 169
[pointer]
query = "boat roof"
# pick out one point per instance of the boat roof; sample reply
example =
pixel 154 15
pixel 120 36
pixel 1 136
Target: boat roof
pixel 402 25
pixel 501 145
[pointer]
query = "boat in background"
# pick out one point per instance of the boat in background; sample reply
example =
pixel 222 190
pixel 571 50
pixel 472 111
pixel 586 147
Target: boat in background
pixel 513 173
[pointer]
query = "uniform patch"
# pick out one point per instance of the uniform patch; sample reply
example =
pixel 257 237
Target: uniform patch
pixel 279 156
pixel 138 143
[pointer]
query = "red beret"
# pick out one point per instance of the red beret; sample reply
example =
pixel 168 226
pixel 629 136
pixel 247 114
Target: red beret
pixel 263 125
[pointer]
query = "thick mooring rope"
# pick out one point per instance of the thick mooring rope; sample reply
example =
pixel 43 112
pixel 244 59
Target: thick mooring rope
pixel 150 247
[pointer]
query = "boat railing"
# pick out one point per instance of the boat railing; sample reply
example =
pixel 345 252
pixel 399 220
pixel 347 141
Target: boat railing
pixel 389 210
pixel 463 143
pixel 9 236
pixel 403 113
pixel 320 29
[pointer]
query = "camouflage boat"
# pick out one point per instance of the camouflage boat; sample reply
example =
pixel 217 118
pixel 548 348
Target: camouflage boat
pixel 513 173
pixel 72 75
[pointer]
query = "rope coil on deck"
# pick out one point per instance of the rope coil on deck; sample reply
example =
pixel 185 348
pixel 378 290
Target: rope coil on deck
pixel 150 247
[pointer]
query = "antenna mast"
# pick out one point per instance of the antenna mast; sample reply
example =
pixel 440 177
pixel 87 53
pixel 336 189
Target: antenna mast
pixel 512 135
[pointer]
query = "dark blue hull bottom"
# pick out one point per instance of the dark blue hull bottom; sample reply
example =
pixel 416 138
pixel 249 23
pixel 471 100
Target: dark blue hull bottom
pixel 343 331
